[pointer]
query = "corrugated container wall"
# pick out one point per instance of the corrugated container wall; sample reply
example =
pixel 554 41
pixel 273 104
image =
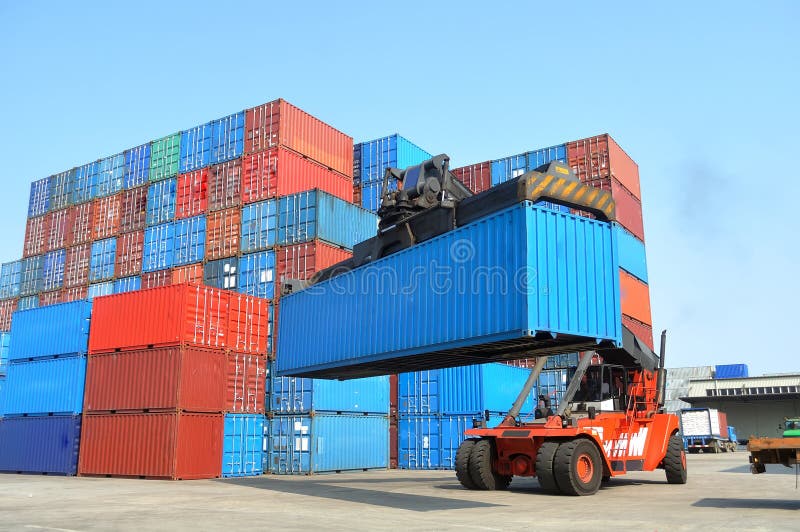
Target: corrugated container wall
pixel 242 445
pixel 731 371
pixel 161 201
pixel 165 156
pixel 295 395
pixel 85 183
pixel 223 233
pixel 31 276
pixel 227 138
pixel 7 308
pixel 106 288
pixel 40 444
pixel 257 274
pixel 49 331
pixel 101 264
pixel 46 386
pixel 10 273
pixel 106 216
pixel 516 165
pixel 224 185
pixel 110 175
pixel 196 147
pixel 190 240
pixel 5 342
pixel 476 177
pixel 76 266
pixel 36 231
pixel 192 195
pixel 245 383
pixel 222 273
pixel 130 249
pixel 137 166
pixel 133 209
pixel 60 186
pixel 39 202
pixel 59 227
pixel 53 270
pixel 159 247
pixel 82 224
pixel 127 284
pixel 302 261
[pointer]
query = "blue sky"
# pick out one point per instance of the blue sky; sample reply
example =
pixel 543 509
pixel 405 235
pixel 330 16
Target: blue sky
pixel 703 95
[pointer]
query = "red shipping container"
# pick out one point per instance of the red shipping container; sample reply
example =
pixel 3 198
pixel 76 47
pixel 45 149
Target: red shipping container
pixel 192 196
pixel 76 265
pixel 302 261
pixel 153 445
pixel 628 208
pixel 222 233
pixel 357 194
pixel 601 157
pixel 73 294
pixel 36 233
pixel 59 226
pixel 634 298
pixel 156 279
pixel 224 185
pixel 394 401
pixel 476 177
pixel 642 331
pixel 49 298
pixel 393 444
pixel 130 247
pixel 193 273
pixel 248 327
pixel 281 172
pixel 106 216
pixel 7 308
pixel 188 379
pixel 134 209
pixel 279 123
pixel 82 224
pixel 245 384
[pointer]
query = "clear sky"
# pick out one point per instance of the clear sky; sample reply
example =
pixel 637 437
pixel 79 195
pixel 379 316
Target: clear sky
pixel 703 95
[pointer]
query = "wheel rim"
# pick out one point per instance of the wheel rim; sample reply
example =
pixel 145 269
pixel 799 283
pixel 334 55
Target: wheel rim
pixel 584 468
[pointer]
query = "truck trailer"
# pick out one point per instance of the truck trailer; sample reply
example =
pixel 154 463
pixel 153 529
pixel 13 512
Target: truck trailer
pixel 707 430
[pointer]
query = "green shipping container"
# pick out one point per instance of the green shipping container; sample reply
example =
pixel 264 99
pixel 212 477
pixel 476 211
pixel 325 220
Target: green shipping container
pixel 165 157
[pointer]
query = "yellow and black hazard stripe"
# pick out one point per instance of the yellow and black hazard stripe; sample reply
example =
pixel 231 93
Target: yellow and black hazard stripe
pixel 560 185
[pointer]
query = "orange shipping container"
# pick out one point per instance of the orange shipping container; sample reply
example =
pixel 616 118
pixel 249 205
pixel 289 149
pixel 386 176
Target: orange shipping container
pixel 628 208
pixel 245 383
pixel 222 233
pixel 76 265
pixel 634 298
pixel 130 247
pixel 192 195
pixel 154 445
pixel 82 224
pixel 134 209
pixel 224 185
pixel 7 308
pixel 36 232
pixel 49 298
pixel 73 294
pixel 156 279
pixel 302 261
pixel 641 330
pixel 106 216
pixel 279 123
pixel 601 157
pixel 58 228
pixel 193 273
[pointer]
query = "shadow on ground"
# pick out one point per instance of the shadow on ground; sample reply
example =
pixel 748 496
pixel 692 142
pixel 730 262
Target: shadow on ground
pixel 763 504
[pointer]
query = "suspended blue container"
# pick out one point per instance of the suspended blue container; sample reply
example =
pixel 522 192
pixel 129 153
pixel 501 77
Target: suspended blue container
pixel 257 274
pixel 242 445
pixel 127 284
pixel 39 202
pixel 61 189
pixel 101 263
pixel 31 276
pixel 40 444
pixel 110 175
pixel 190 240
pixel 393 151
pixel 159 247
pixel 10 277
pixel 552 274
pixel 84 186
pixel 137 166
pixel 259 225
pixel 463 390
pixel 5 341
pixel 60 329
pixel 303 445
pixel 196 147
pixel 161 198
pixel 222 273
pixel 315 214
pixel 632 255
pixel 296 395
pixel 45 387
pixel 227 138
pixel 53 270
pixel 27 303
pixel 106 288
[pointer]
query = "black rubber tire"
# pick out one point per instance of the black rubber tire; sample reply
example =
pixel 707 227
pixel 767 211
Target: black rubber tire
pixel 606 479
pixel 675 461
pixel 480 467
pixel 462 463
pixel 565 466
pixel 544 466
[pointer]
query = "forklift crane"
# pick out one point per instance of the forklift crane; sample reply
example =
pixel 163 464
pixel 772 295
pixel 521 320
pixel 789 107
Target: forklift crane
pixel 611 419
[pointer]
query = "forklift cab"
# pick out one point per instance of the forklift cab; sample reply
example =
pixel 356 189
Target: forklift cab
pixel 603 387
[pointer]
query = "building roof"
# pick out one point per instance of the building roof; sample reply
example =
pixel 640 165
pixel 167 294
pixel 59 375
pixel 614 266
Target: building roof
pixel 785 386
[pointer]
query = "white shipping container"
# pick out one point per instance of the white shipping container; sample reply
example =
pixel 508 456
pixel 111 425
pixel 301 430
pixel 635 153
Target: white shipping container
pixel 702 422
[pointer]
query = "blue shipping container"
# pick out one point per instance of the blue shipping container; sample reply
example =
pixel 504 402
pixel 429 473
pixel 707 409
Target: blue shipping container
pixel 550 272
pixel 61 329
pixel 259 225
pixel 40 444
pixel 257 274
pixel 110 175
pixel 61 189
pixel 295 395
pixel 127 284
pixel 10 276
pixel 5 340
pixel 84 184
pixel 53 270
pixel 301 445
pixel 632 256
pixel 159 247
pixel 227 138
pixel 190 240
pixel 196 147
pixel 29 302
pixel 242 445
pixel 106 288
pixel 393 151
pixel 463 390
pixel 101 263
pixel 30 276
pixel 371 196
pixel 39 202
pixel 568 360
pixel 731 371
pixel 45 386
pixel 137 166
pixel 222 273
pixel 553 384
pixel 161 197
pixel 315 214
pixel 357 163
pixel 516 165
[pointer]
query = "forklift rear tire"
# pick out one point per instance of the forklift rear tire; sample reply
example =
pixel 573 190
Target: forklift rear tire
pixel 544 466
pixel 675 461
pixel 480 467
pixel 578 467
pixel 462 463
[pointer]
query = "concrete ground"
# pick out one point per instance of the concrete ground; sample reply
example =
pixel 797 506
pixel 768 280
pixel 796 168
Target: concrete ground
pixel 721 495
